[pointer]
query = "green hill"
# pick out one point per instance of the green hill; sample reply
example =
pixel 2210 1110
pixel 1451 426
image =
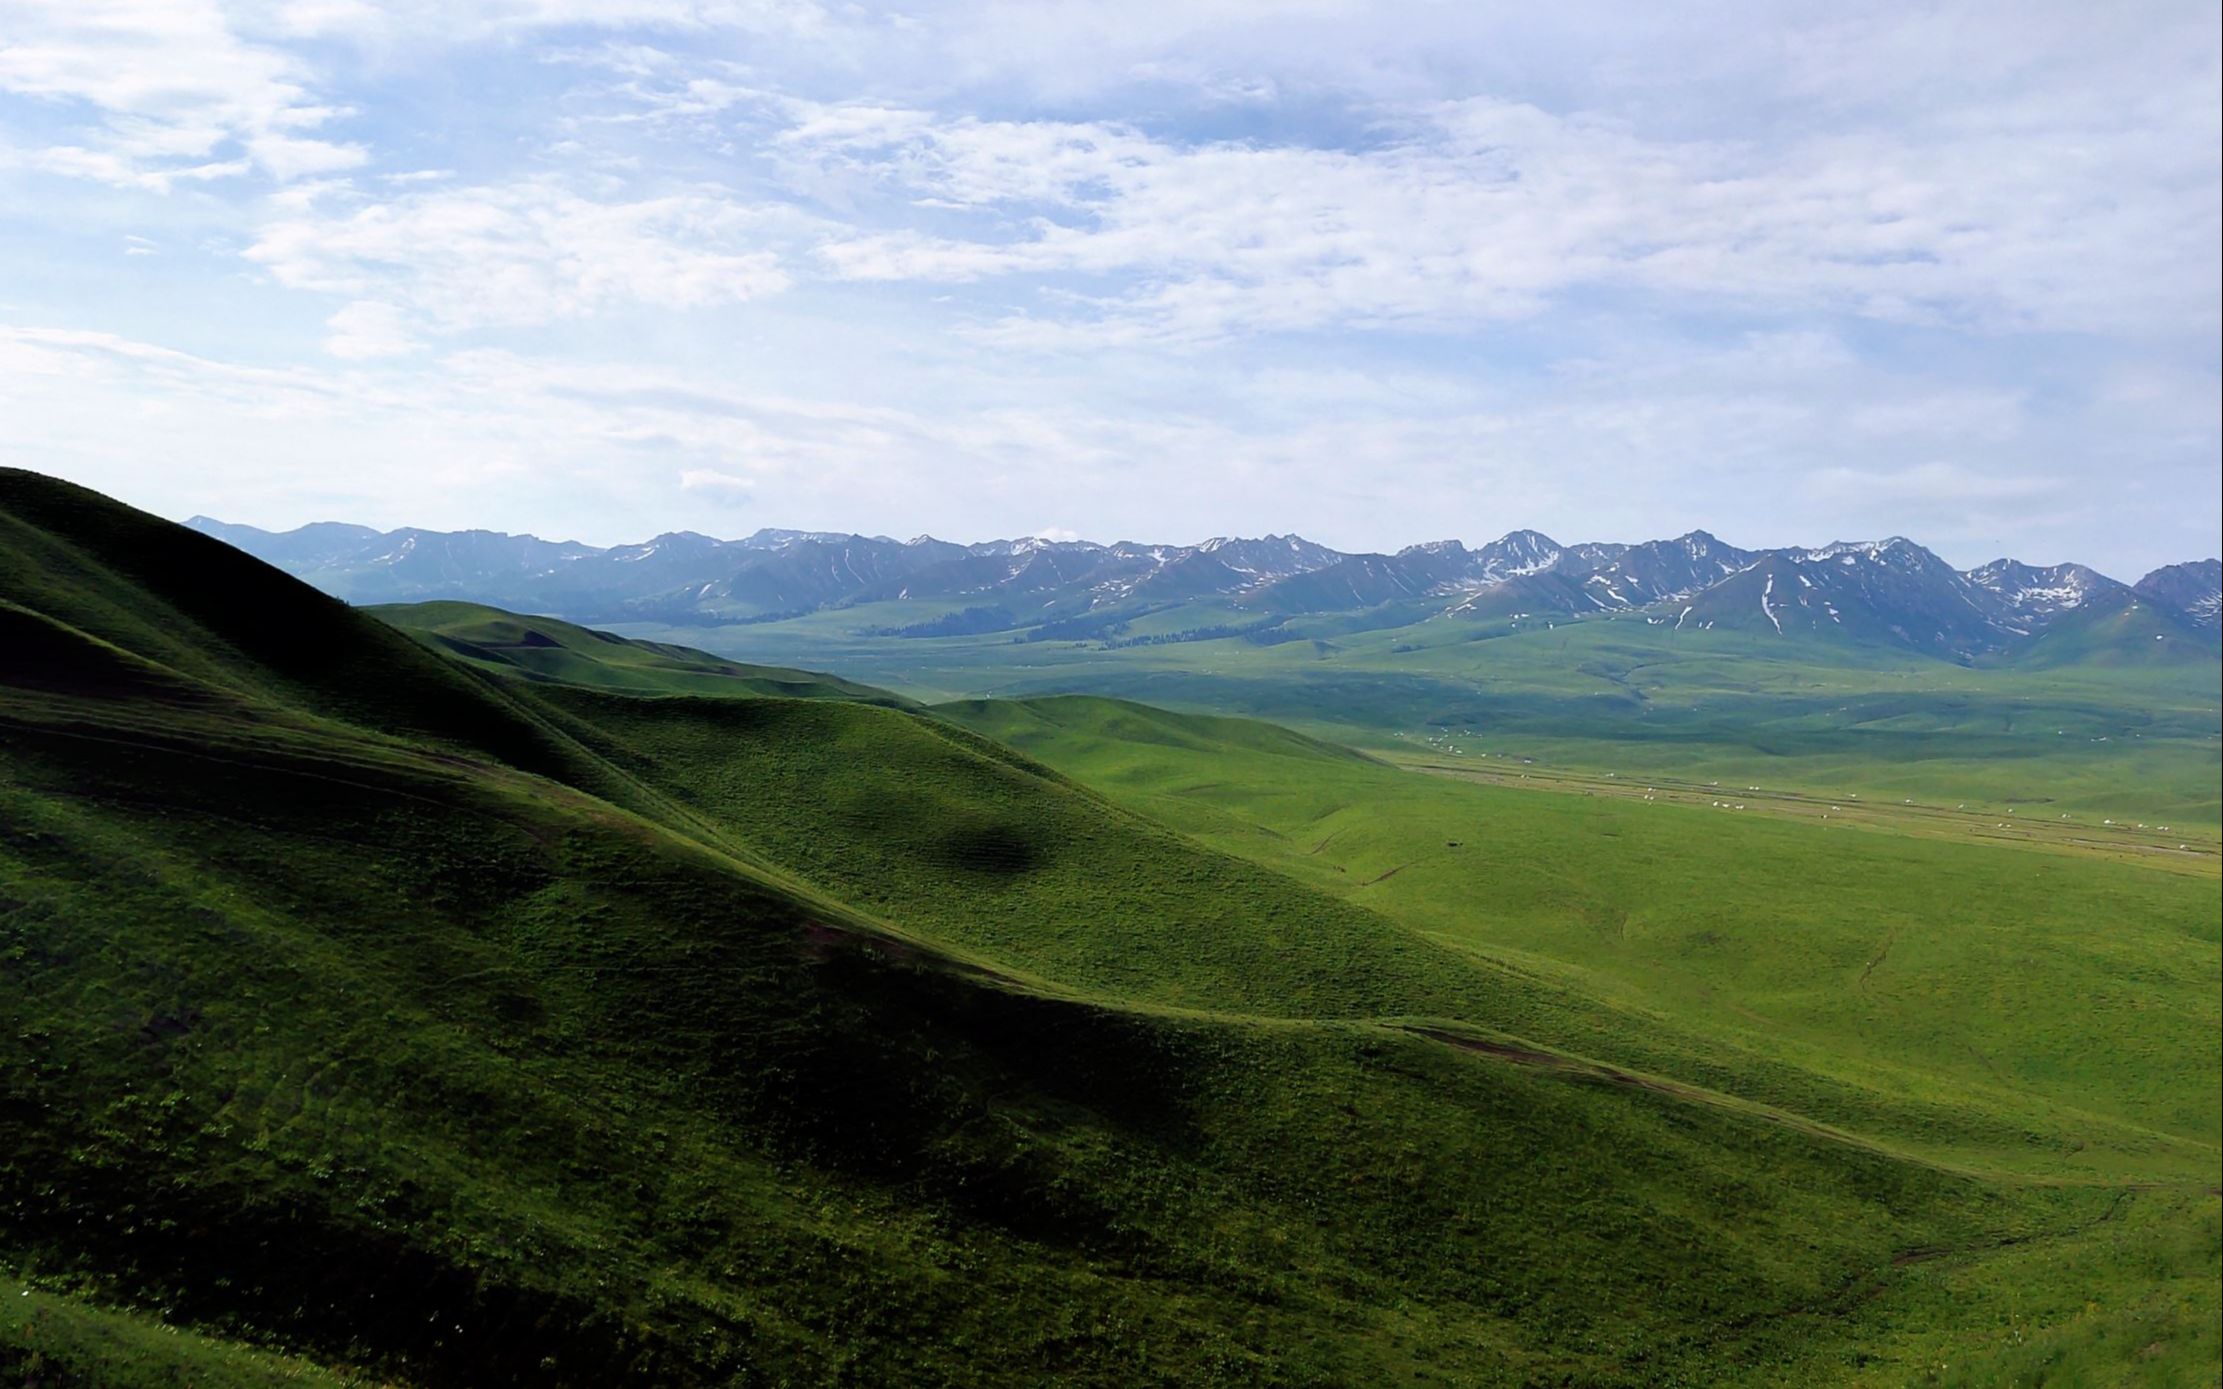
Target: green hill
pixel 2127 630
pixel 544 648
pixel 371 1014
pixel 1714 926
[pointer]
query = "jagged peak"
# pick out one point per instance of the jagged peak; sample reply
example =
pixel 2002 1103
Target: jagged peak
pixel 1529 538
pixel 1435 547
pixel 1873 549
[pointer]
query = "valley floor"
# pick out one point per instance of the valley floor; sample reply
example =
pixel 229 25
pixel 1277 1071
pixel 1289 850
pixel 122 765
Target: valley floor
pixel 2195 849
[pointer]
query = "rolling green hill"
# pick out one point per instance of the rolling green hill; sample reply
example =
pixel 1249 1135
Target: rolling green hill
pixel 375 1015
pixel 1919 967
pixel 543 648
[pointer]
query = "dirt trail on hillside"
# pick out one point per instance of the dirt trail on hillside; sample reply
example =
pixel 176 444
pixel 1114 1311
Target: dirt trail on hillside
pixel 1565 1065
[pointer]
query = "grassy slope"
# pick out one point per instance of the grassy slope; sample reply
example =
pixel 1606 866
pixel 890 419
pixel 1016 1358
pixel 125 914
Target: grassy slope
pixel 2070 999
pixel 478 1032
pixel 544 648
pixel 1885 961
pixel 49 1340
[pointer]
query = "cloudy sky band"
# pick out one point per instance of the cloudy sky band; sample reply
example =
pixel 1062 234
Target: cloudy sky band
pixel 598 268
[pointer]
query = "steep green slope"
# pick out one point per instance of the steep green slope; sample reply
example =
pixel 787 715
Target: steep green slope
pixel 988 854
pixel 924 824
pixel 431 1073
pixel 364 1009
pixel 544 648
pixel 52 1340
pixel 219 628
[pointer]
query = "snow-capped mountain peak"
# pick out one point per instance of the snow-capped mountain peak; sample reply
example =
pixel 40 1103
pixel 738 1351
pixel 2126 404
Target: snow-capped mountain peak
pixel 1890 590
pixel 2029 593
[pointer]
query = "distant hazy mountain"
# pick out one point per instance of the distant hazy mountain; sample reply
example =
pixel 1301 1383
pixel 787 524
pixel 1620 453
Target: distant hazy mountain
pixel 2196 590
pixel 1893 591
pixel 684 575
pixel 1664 570
pixel 1270 558
pixel 2033 597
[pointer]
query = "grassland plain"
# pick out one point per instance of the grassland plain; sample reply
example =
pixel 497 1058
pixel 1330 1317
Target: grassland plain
pixel 376 1016
pixel 2133 742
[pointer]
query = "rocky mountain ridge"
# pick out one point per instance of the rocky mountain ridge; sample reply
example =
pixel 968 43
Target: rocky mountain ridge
pixel 1892 591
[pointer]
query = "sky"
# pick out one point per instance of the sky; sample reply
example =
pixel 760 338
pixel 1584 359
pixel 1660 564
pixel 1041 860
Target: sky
pixel 1375 271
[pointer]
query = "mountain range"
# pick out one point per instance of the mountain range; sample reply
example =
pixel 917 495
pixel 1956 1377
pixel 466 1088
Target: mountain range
pixel 1893 592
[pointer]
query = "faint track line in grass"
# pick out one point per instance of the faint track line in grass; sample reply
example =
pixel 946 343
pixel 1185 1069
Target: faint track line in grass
pixel 1598 1072
pixel 1890 939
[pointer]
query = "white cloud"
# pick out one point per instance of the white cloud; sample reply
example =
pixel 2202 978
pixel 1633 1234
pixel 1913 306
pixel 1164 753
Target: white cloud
pixel 174 92
pixel 1484 210
pixel 477 20
pixel 367 329
pixel 1374 268
pixel 523 253
pixel 711 480
pixel 1893 490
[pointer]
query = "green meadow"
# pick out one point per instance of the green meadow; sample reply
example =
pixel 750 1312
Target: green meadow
pixel 1916 983
pixel 2127 742
pixel 446 997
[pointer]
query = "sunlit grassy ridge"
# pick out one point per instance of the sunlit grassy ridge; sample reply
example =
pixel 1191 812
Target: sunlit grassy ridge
pixel 373 1013
pixel 544 648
